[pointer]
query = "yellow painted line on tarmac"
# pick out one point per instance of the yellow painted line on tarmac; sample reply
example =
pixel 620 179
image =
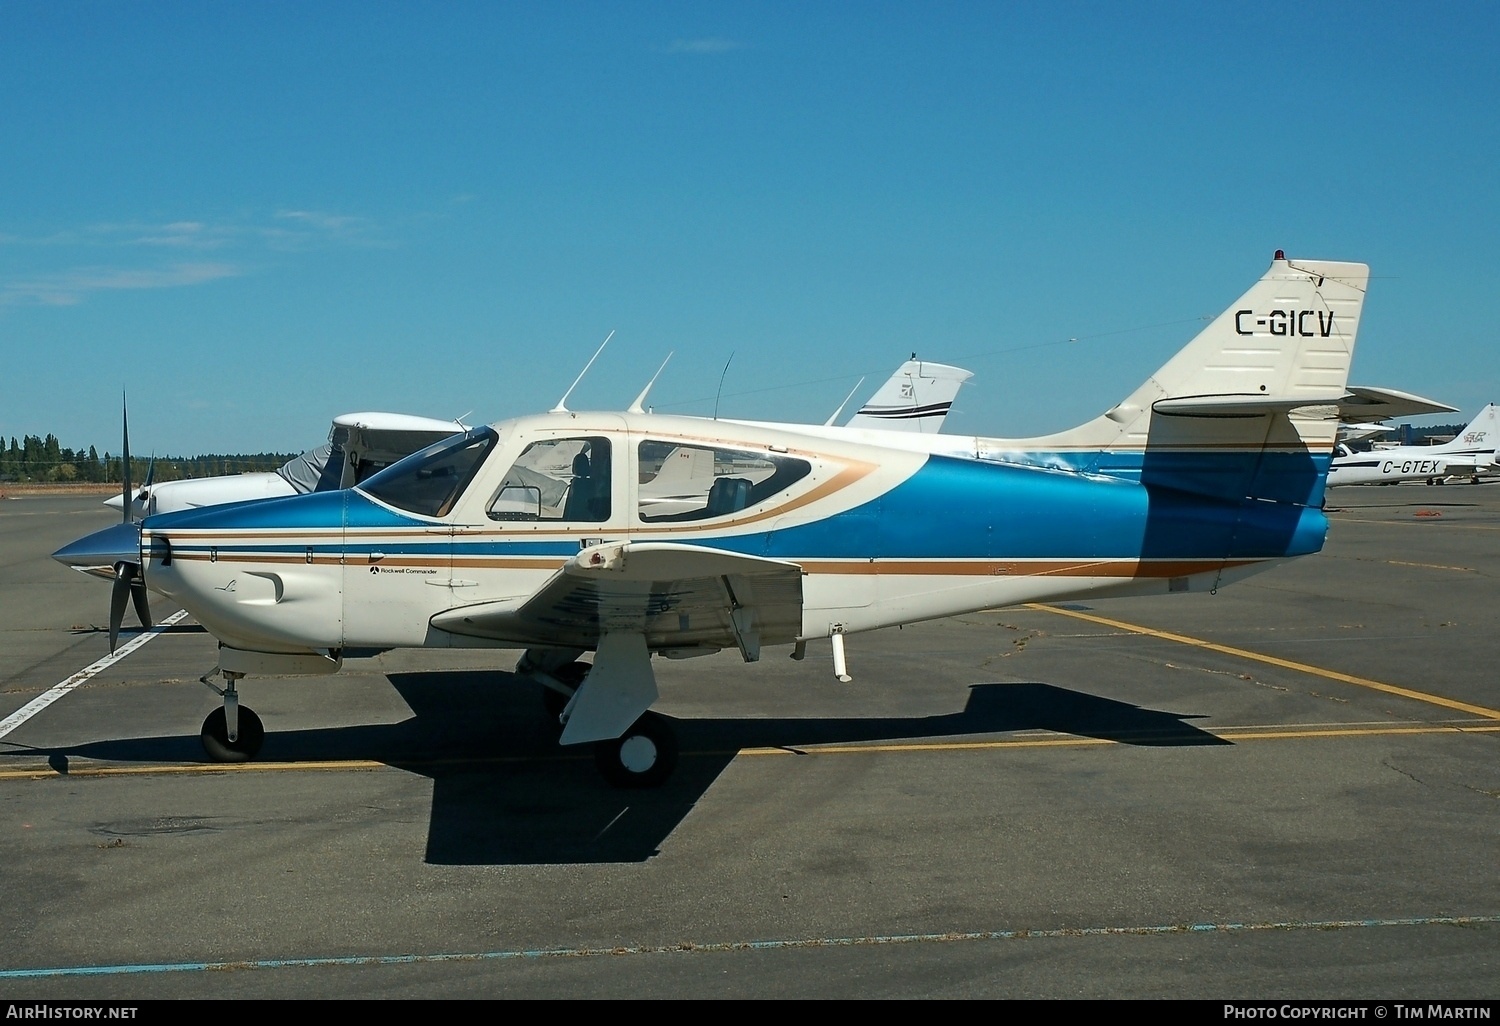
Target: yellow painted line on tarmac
pixel 1256 735
pixel 40 772
pixel 323 766
pixel 1233 734
pixel 1287 664
pixel 1242 734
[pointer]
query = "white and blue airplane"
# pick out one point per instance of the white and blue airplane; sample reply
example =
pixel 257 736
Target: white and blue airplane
pixel 917 397
pixel 1470 455
pixel 1212 470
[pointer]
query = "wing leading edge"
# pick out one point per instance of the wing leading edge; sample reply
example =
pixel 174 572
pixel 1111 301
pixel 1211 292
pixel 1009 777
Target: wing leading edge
pixel 677 597
pixel 628 599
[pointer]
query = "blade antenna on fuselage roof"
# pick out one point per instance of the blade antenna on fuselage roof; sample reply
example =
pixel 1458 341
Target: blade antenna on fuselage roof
pixel 720 392
pixel 561 406
pixel 835 415
pixel 639 405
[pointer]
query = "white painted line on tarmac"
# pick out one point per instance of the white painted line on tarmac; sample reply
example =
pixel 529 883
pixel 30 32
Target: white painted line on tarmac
pixel 685 948
pixel 52 694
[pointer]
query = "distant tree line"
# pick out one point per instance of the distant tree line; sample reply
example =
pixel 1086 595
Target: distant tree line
pixel 1419 436
pixel 44 459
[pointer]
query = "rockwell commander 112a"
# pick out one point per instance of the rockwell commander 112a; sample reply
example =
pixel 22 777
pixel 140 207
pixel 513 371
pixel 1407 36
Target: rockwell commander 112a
pixel 544 534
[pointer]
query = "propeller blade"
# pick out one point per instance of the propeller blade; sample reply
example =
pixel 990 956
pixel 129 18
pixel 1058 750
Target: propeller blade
pixel 138 596
pixel 125 462
pixel 119 595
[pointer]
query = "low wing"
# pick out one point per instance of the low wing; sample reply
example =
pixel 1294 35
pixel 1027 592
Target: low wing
pixel 676 597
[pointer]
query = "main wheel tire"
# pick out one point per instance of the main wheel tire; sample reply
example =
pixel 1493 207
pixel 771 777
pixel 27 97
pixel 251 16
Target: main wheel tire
pixel 644 756
pixel 215 736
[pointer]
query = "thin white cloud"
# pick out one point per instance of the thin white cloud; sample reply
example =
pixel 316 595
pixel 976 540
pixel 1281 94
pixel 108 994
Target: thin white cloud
pixel 306 229
pixel 319 220
pixel 284 231
pixel 303 227
pixel 185 235
pixel 68 288
pixel 711 44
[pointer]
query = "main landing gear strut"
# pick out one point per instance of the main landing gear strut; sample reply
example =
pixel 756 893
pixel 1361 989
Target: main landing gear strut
pixel 643 756
pixel 230 733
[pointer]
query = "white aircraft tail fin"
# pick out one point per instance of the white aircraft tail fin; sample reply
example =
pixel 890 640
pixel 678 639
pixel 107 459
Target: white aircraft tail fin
pixel 686 469
pixel 1248 408
pixel 1482 436
pixel 915 398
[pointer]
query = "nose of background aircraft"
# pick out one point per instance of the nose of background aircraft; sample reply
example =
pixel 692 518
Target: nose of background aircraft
pixel 101 551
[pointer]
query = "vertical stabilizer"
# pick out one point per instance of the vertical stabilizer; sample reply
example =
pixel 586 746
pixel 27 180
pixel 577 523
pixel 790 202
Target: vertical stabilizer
pixel 916 398
pixel 1289 338
pixel 1249 408
pixel 1481 437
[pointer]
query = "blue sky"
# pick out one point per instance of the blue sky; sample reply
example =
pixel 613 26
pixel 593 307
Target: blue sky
pixel 254 217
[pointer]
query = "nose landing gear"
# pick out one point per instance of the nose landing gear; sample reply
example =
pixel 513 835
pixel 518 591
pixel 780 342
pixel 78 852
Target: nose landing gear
pixel 230 733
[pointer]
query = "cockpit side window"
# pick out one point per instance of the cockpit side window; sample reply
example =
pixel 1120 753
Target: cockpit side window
pixel 429 482
pixel 564 479
pixel 681 482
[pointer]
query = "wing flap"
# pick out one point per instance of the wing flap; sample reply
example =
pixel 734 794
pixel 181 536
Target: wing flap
pixel 675 596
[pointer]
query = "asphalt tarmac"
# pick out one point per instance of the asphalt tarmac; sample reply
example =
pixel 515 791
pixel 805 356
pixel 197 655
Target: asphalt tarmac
pixel 1288 790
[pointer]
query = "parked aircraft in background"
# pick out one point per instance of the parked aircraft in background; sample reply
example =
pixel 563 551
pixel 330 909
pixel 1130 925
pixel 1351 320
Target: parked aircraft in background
pixel 1210 471
pixel 916 398
pixel 1470 455
pixel 359 444
pixel 1354 434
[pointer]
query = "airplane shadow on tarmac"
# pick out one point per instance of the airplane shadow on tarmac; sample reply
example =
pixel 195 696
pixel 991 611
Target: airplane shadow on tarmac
pixel 506 794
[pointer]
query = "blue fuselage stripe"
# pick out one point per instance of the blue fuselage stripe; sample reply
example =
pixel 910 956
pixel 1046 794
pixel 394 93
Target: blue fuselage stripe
pixel 1168 506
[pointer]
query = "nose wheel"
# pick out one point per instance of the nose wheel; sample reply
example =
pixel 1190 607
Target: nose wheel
pixel 231 733
pixel 215 736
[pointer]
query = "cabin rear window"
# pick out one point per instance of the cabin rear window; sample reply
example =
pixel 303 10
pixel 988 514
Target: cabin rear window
pixel 429 482
pixel 694 482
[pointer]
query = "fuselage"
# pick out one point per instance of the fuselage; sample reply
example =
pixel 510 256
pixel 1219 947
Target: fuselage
pixel 1407 463
pixel 883 534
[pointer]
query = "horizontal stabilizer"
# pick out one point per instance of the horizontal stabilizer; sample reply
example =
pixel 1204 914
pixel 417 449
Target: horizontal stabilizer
pixel 1363 405
pixel 1241 405
pixel 1356 405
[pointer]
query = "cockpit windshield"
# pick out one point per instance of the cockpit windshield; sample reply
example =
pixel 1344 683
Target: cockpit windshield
pixel 429 481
